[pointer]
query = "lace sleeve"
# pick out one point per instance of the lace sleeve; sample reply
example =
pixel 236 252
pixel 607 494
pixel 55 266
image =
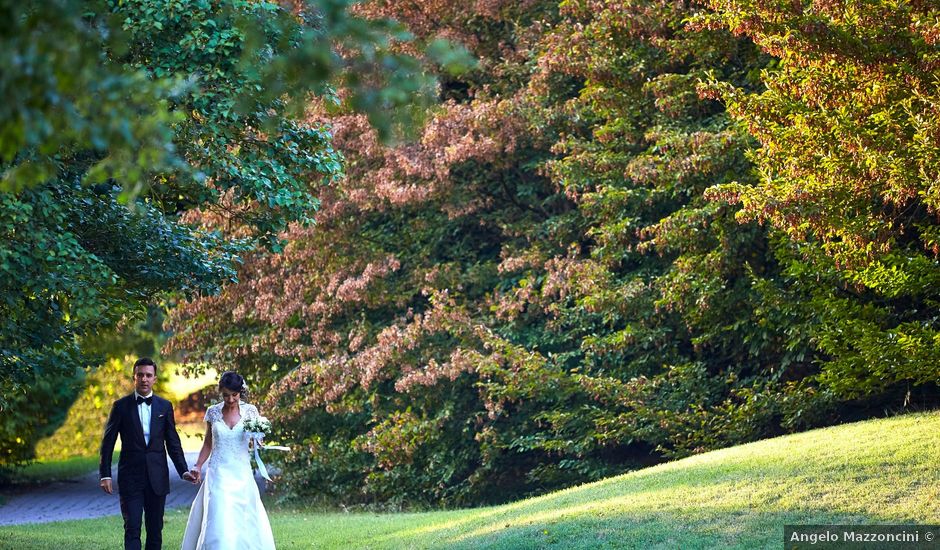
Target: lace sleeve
pixel 213 413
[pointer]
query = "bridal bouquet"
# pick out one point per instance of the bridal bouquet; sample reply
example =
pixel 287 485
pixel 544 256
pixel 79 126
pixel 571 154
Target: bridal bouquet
pixel 257 428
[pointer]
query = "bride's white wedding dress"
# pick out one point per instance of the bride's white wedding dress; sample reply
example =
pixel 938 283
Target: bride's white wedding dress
pixel 227 512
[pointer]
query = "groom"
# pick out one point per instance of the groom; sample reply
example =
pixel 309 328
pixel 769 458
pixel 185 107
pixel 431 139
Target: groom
pixel 148 433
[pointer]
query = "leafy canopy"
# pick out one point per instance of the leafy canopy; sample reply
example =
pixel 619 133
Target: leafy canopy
pixel 121 118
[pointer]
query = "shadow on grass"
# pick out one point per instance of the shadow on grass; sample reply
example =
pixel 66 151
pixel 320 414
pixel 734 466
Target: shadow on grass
pixel 736 497
pixel 599 525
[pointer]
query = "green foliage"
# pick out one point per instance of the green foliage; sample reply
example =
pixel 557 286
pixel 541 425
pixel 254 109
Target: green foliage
pixel 562 303
pixel 551 285
pixel 32 415
pixel 236 132
pixel 849 169
pixel 65 102
pixel 76 263
pixel 121 118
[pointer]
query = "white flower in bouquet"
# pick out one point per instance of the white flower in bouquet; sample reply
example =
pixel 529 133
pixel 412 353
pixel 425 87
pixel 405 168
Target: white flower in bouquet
pixel 258 427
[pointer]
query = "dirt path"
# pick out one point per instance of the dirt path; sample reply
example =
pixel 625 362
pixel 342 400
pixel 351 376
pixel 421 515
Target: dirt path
pixel 82 499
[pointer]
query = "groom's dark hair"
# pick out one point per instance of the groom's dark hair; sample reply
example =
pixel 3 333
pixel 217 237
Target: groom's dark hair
pixel 145 361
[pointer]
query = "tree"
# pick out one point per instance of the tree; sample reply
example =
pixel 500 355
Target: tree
pixel 849 169
pixel 339 332
pixel 539 291
pixel 119 118
pixel 458 325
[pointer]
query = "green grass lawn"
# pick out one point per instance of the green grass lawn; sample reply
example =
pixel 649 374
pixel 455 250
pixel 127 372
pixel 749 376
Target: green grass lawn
pixel 882 471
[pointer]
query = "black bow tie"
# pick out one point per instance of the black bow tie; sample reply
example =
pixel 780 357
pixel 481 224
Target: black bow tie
pixel 147 400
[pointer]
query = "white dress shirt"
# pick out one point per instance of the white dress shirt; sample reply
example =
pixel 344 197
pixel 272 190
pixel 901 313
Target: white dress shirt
pixel 144 410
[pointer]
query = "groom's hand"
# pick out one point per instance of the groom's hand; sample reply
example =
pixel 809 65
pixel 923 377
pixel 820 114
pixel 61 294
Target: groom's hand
pixel 188 476
pixel 106 486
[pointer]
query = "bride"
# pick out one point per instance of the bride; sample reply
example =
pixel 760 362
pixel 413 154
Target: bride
pixel 227 512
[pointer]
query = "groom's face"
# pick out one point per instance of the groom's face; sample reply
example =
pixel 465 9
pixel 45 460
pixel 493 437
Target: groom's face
pixel 144 376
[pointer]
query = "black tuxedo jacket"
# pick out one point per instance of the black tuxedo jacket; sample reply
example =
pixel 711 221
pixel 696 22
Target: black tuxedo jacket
pixel 139 461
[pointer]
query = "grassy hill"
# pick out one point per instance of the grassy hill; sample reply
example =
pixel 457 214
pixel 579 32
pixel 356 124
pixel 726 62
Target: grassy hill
pixel 880 471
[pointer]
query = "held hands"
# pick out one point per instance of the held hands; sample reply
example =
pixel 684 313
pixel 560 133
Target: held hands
pixel 105 485
pixel 193 475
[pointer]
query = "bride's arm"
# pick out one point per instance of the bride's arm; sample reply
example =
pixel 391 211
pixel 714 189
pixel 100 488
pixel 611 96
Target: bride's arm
pixel 206 448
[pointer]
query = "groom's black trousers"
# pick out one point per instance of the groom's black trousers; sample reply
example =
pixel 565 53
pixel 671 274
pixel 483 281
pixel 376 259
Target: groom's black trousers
pixel 142 501
pixel 143 479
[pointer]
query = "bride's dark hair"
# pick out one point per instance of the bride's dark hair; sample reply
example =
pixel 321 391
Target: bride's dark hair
pixel 233 381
